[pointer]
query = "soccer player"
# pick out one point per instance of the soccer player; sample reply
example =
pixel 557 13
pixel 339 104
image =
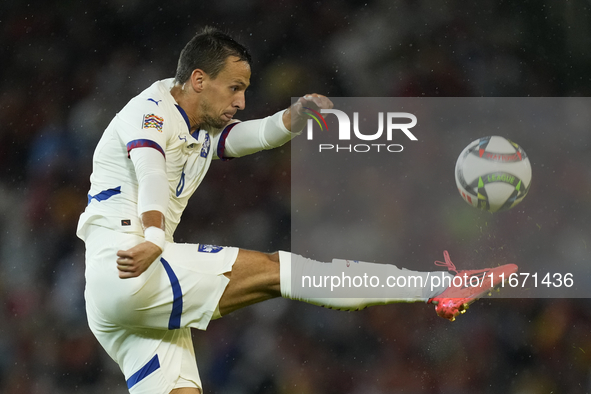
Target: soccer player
pixel 143 291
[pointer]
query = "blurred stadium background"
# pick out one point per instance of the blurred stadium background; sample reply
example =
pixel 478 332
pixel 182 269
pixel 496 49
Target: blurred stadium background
pixel 68 66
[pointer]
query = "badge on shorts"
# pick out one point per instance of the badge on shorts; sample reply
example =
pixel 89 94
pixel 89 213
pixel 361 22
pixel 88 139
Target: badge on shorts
pixel 209 248
pixel 152 121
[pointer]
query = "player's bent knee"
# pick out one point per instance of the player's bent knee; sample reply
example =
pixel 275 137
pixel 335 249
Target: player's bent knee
pixel 274 257
pixel 256 272
pixel 252 259
pixel 250 263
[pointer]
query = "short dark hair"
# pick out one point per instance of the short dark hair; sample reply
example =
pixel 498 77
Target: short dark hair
pixel 208 51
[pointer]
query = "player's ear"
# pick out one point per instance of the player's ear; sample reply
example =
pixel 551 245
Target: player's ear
pixel 197 78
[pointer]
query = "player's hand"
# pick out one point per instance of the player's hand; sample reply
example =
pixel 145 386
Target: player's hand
pixel 295 119
pixel 133 262
pixel 315 101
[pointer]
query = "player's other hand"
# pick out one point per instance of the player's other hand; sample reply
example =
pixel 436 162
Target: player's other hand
pixel 133 262
pixel 295 119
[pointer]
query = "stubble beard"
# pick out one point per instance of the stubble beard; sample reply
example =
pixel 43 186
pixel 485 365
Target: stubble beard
pixel 207 120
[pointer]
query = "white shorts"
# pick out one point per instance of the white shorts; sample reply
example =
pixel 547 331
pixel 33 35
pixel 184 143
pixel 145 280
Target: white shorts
pixel 144 323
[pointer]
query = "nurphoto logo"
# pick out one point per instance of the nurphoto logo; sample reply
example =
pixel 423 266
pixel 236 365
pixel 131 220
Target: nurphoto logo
pixel 393 127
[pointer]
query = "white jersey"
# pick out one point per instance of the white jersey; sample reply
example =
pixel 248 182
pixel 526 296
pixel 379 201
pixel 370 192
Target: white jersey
pixel 152 119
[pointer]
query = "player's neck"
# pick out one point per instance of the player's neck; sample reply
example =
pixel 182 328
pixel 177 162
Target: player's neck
pixel 187 102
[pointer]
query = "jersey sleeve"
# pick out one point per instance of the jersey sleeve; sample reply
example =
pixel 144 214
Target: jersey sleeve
pixel 243 138
pixel 143 128
pixel 143 125
pixel 153 191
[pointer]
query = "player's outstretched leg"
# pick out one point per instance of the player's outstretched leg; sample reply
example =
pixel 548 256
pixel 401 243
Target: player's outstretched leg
pixel 451 294
pixel 256 277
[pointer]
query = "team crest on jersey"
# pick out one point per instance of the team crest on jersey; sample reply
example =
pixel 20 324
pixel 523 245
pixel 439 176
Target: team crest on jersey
pixel 152 121
pixel 206 146
pixel 209 248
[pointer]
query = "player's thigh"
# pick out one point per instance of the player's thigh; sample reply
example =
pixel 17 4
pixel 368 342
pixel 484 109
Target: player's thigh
pixel 180 289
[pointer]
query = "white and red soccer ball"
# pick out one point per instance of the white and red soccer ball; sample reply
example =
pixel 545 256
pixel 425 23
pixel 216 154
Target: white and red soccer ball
pixel 493 174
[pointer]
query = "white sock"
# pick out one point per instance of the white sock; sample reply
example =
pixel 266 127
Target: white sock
pixel 354 285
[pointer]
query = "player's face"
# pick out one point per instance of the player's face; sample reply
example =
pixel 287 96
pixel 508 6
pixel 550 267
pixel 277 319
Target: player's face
pixel 224 95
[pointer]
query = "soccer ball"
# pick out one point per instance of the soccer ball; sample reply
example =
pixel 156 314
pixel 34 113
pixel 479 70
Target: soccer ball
pixel 493 174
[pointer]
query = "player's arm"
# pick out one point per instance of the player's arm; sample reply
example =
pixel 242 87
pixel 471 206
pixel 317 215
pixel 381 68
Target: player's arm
pixel 153 196
pixel 243 138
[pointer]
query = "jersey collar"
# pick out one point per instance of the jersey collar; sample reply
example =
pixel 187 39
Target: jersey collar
pixel 195 134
